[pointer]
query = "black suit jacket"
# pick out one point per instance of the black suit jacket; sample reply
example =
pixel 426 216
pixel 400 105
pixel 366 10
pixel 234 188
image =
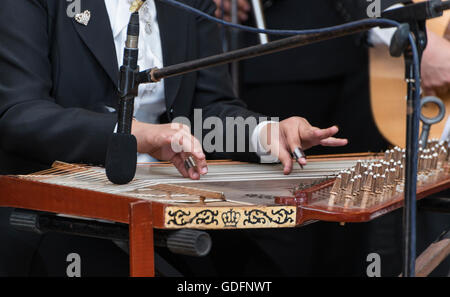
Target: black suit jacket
pixel 57 77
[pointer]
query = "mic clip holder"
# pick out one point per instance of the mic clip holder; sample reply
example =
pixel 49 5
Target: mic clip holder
pixel 129 83
pixel 128 90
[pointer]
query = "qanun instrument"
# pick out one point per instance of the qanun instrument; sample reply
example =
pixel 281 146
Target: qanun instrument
pixel 347 188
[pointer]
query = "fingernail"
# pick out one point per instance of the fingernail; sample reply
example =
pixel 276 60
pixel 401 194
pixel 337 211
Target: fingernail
pixel 204 170
pixel 195 176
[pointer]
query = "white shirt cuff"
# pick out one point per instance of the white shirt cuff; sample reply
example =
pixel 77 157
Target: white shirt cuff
pixel 264 155
pixel 378 36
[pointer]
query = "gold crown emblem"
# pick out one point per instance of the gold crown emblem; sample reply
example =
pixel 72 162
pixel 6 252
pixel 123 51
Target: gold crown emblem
pixel 231 218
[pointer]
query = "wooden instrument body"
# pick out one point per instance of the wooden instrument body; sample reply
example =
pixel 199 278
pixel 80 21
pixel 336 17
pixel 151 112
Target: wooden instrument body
pixel 269 203
pixel 265 199
pixel 388 90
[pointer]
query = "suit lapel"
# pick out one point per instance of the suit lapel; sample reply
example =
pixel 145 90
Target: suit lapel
pixel 98 37
pixel 173 30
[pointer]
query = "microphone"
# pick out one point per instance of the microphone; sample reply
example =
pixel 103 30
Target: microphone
pixel 121 156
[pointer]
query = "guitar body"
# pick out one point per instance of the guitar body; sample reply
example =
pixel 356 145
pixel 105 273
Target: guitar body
pixel 388 90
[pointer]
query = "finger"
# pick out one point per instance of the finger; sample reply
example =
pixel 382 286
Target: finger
pixel 178 162
pixel 325 133
pixel 243 9
pixel 299 156
pixel 332 141
pixel 243 16
pixel 226 6
pixel 192 171
pixel 286 160
pixel 187 142
pixel 294 143
pixel 184 144
pixel 200 166
pixel 225 13
pixel 226 17
pixel 244 5
pixel 192 145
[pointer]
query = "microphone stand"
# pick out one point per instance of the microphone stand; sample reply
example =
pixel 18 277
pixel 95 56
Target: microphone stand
pixel 156 74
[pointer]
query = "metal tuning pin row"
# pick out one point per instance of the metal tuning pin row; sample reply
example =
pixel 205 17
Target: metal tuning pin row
pixel 433 162
pixel 374 182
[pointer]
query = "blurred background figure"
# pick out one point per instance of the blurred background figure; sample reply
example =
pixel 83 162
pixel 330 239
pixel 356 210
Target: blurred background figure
pixel 332 74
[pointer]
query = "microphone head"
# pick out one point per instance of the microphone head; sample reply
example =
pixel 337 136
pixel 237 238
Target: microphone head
pixel 121 158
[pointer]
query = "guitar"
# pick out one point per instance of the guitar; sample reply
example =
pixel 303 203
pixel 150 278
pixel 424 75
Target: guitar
pixel 388 90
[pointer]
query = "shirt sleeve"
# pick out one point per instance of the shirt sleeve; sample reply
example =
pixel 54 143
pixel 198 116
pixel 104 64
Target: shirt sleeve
pixel 264 155
pixel 378 36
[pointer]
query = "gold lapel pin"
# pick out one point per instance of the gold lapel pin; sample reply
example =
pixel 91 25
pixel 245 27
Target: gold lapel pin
pixel 83 18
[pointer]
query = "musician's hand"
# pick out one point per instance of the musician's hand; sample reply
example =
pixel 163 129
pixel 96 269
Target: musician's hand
pixel 283 138
pixel 436 66
pixel 243 9
pixel 171 142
